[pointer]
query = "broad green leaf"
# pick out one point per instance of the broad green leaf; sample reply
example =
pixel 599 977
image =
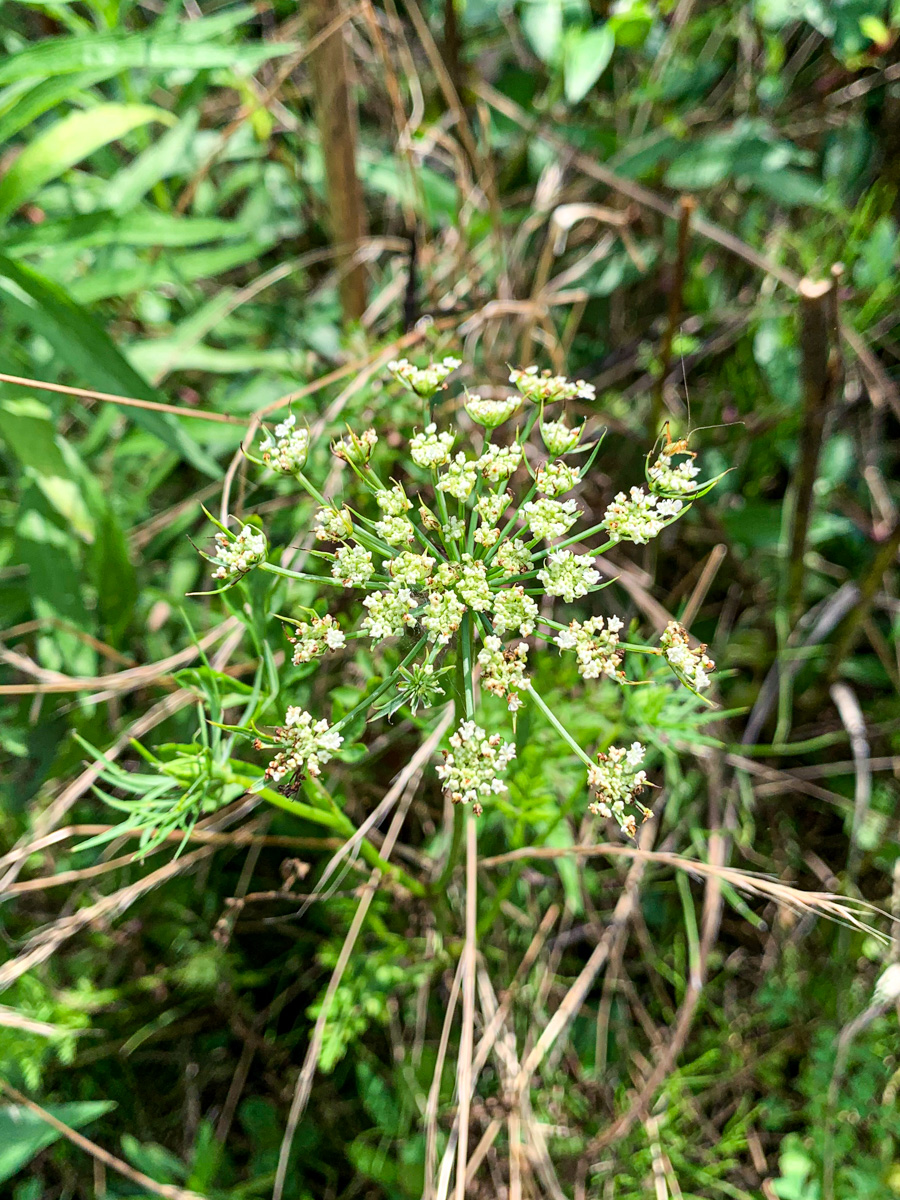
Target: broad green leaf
pixel 165 156
pixel 28 431
pixel 66 143
pixel 586 57
pixel 113 53
pixel 25 101
pixel 84 346
pixel 542 24
pixel 23 1134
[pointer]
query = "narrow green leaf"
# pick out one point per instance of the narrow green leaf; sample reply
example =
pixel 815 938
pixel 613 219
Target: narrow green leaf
pixel 23 1134
pixel 84 346
pixel 67 143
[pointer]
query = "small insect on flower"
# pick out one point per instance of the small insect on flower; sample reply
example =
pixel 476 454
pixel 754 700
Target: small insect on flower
pixel 237 554
pixel 544 388
pixel 692 666
pixel 424 381
pixel 638 517
pixel 287 450
pixel 667 479
pixel 473 765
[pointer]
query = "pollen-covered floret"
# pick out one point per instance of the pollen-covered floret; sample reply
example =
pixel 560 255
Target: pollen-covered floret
pixel 442 616
pixel 638 517
pixel 568 575
pixel 472 585
pixel 396 531
pixel 459 477
pixel 596 646
pixel 237 555
pixel 550 518
pixel 617 781
pixel 473 765
pixel 513 557
pixel 287 449
pixel 668 480
pixel 352 566
pixel 411 569
pixel 424 381
pixel 309 745
pixel 691 665
pixel 514 610
pixel 559 438
pixel 313 638
pixel 333 524
pixel 499 462
pixel 542 386
pixel 555 478
pixel 431 449
pixel 389 613
pixel 503 671
pixel 491 413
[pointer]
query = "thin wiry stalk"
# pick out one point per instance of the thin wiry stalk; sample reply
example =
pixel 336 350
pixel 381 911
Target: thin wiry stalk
pixel 464 1071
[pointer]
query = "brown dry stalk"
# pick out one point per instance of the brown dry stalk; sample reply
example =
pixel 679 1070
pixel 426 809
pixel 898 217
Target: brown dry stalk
pixel 125 401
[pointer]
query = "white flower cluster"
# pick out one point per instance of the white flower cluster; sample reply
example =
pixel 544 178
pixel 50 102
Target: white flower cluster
pixel 503 671
pixel 550 518
pixel 617 780
pixel 596 645
pixel 568 575
pixel 235 556
pixel 445 581
pixel 690 665
pixel 544 388
pixel 431 449
pixel 287 450
pixel 638 517
pixel 424 381
pixel 668 480
pixel 473 765
pixel 309 744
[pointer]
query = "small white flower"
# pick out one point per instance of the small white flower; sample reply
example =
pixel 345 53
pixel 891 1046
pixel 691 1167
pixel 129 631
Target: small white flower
pixel 499 462
pixel 492 507
pixel 513 557
pixel 352 566
pixel 411 569
pixel 442 616
pixel 455 529
pixel 555 478
pixel 617 781
pixel 503 671
pixel 287 450
pixel 333 524
pixel 568 575
pixel 546 388
pixel 354 449
pixel 491 413
pixel 595 645
pixel 514 610
pixel 559 438
pixel 638 517
pixel 550 518
pixel 679 480
pixel 459 477
pixel 472 766
pixel 310 744
pixel 396 531
pixel 472 586
pixel 431 449
pixel 314 638
pixel 424 381
pixel 390 613
pixel 691 665
pixel 393 501
pixel 236 555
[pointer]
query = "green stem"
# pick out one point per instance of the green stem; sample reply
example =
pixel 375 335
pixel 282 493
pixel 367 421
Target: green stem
pixel 560 729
